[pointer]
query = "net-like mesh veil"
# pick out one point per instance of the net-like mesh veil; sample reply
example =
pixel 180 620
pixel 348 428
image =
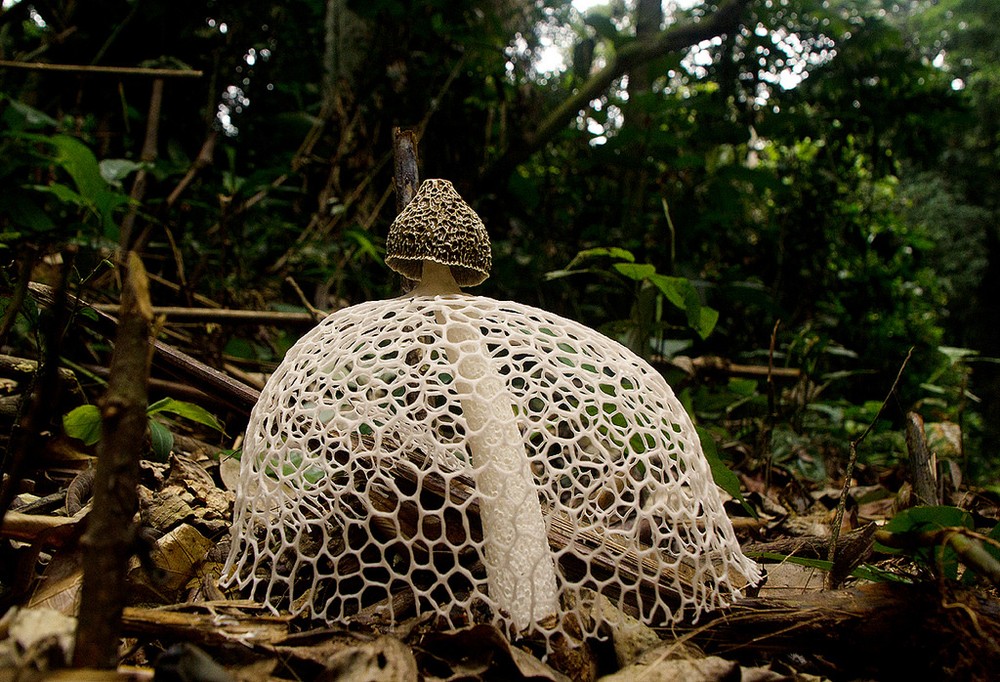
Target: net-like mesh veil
pixel 358 487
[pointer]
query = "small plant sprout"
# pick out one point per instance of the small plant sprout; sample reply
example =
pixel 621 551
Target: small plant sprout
pixel 441 450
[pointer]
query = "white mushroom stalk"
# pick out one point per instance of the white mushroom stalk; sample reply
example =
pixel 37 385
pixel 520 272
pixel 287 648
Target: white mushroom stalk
pixel 519 565
pixel 388 426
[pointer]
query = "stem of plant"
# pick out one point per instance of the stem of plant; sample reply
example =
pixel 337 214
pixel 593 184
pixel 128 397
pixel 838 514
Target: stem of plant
pixel 107 544
pixel 852 459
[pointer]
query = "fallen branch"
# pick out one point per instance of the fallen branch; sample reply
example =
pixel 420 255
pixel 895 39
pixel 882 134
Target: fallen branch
pixel 234 393
pixel 225 315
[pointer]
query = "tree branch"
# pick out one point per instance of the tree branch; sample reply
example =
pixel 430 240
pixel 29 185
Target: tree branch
pixel 725 19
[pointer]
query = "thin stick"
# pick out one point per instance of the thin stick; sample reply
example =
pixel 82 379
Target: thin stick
pixel 765 436
pixel 849 474
pixel 315 314
pixel 101 70
pixel 147 156
pixel 227 315
pixel 107 544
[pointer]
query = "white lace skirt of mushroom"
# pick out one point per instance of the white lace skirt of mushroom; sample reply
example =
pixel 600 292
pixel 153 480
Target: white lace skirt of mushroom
pixel 361 488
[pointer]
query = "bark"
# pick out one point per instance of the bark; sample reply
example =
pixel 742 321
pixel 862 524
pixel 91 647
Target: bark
pixel 107 544
pixel 922 473
pixel 406 178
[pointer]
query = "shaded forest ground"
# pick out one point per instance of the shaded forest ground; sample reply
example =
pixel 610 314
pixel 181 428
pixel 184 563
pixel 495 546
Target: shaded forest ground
pixel 776 252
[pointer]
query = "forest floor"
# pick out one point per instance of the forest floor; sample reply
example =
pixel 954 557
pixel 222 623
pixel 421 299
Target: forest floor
pixel 929 611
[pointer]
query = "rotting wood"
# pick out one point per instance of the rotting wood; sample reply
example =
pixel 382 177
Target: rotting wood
pixel 108 541
pixel 906 631
pixel 218 623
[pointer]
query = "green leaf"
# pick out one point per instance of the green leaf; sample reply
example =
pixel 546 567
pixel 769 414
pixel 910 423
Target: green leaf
pixel 721 474
pixel 113 171
pixel 862 572
pixel 81 164
pixel 635 271
pixel 163 441
pixel 19 116
pixel 921 519
pixel 611 251
pixel 62 193
pixel 363 239
pixel 675 289
pixel 83 423
pixel 707 318
pixel 187 410
pixel 25 212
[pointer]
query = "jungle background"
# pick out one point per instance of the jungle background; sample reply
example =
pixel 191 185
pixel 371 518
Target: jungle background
pixel 773 201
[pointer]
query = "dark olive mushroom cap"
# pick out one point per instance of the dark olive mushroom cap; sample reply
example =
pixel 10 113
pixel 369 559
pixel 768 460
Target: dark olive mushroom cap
pixel 437 225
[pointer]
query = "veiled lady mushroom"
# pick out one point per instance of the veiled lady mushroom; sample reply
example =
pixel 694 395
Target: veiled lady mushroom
pixel 423 451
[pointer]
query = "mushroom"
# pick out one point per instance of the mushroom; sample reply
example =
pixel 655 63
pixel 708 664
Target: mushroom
pixel 420 452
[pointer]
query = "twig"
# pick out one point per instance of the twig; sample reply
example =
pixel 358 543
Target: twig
pixel 204 159
pixel 765 436
pixel 101 70
pixel 838 518
pixel 176 313
pixel 148 155
pixel 210 380
pixel 107 543
pixel 406 178
pixel 314 313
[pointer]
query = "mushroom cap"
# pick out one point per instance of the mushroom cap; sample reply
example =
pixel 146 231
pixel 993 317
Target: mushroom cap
pixel 438 225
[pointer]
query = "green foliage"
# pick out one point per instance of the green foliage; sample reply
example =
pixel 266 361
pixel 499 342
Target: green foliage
pixel 721 474
pixel 916 520
pixel 76 194
pixel 84 423
pixel 646 330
